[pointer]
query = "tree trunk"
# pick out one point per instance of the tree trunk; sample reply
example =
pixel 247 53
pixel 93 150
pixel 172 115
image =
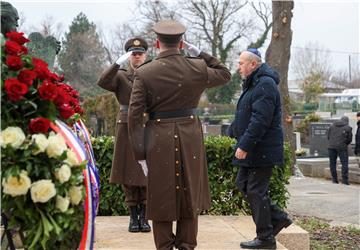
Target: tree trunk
pixel 278 57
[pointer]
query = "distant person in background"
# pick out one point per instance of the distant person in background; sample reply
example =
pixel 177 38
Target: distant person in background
pixel 357 136
pixel 339 136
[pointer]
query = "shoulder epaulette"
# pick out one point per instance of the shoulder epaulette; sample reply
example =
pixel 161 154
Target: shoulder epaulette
pixel 193 57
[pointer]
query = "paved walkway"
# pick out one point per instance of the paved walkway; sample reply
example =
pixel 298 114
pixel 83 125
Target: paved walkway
pixel 215 232
pixel 308 196
pixel 338 203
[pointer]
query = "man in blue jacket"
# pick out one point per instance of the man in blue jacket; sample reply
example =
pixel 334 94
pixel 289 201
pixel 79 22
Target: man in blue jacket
pixel 257 128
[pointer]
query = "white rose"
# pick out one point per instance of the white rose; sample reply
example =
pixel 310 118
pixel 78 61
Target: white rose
pixel 75 194
pixel 62 203
pixel 17 185
pixel 13 136
pixel 71 159
pixel 63 173
pixel 42 191
pixel 41 142
pixel 56 145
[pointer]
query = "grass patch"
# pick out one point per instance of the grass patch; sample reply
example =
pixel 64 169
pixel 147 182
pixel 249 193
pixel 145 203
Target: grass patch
pixel 324 236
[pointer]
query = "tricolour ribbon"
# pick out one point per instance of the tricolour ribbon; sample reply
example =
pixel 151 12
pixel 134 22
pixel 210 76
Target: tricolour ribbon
pixel 83 151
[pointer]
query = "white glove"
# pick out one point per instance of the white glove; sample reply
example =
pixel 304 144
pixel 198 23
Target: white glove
pixel 123 59
pixel 144 166
pixel 191 49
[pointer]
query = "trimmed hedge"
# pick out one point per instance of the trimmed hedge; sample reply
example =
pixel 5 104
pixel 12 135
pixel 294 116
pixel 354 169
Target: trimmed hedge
pixel 226 199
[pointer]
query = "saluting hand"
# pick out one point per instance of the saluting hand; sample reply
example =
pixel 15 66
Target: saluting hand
pixel 240 154
pixel 144 166
pixel 123 59
pixel 191 49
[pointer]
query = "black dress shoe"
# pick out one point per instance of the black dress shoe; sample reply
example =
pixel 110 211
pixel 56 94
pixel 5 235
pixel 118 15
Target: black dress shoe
pixel 280 225
pixel 269 243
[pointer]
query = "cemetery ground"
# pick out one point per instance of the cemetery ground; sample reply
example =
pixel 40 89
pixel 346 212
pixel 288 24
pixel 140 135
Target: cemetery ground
pixel 328 212
pixel 325 236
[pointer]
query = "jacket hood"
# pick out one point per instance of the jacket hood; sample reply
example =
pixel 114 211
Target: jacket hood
pixel 343 121
pixel 262 70
pixel 265 70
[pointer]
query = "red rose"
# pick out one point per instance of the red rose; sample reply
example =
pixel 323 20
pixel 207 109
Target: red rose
pixel 27 76
pixel 39 63
pixel 74 93
pixel 41 68
pixel 14 62
pixel 15 89
pixel 17 37
pixel 62 97
pixel 48 91
pixel 66 87
pixel 39 125
pixel 13 48
pixel 79 110
pixel 73 101
pixel 66 111
pixel 61 78
pixel 54 77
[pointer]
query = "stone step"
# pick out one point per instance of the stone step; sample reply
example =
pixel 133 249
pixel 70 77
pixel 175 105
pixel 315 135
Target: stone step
pixel 215 232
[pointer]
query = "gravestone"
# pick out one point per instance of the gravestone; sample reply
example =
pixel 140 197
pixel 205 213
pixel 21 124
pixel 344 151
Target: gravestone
pixel 212 130
pixel 318 138
pixel 224 128
pixel 323 114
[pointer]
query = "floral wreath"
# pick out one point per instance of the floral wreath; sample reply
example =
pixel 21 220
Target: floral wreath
pixel 42 179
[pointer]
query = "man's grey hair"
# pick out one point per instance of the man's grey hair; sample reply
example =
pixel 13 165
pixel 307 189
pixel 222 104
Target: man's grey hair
pixel 252 57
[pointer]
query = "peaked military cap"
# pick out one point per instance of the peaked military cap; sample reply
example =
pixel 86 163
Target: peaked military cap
pixel 169 30
pixel 136 44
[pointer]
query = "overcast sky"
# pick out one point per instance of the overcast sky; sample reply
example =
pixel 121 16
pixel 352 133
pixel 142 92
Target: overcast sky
pixel 334 25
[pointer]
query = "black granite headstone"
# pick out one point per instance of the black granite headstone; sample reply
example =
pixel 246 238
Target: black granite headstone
pixel 318 138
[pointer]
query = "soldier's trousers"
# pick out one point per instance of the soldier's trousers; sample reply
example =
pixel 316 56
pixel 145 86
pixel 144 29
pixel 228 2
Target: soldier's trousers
pixel 134 195
pixel 185 238
pixel 186 229
pixel 253 182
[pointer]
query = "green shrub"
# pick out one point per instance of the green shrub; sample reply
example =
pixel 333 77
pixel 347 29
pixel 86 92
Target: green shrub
pixel 226 199
pixel 111 196
pixel 303 126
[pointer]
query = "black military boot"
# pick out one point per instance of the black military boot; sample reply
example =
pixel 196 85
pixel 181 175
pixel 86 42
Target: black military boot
pixel 144 224
pixel 134 225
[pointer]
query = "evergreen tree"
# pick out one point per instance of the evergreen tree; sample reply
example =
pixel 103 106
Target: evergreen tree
pixel 225 94
pixel 82 58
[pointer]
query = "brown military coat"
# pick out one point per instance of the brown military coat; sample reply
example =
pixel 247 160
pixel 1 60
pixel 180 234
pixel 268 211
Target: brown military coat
pixel 173 147
pixel 125 170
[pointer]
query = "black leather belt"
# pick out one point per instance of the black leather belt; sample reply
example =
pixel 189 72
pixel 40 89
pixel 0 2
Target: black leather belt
pixel 124 108
pixel 171 114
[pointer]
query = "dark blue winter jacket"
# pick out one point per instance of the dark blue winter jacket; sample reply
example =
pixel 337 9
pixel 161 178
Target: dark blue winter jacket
pixel 257 124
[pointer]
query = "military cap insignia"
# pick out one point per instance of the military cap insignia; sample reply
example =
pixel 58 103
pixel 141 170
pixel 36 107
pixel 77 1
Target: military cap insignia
pixel 136 42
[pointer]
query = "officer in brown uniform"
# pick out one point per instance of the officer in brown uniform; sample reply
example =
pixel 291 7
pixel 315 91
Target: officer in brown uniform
pixel 125 170
pixel 171 142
